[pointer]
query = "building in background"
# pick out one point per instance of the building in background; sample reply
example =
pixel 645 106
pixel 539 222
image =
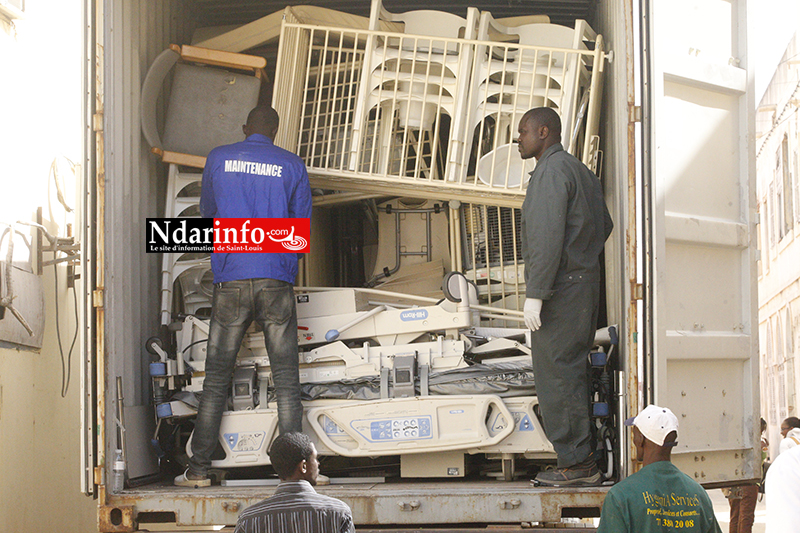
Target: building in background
pixel 778 168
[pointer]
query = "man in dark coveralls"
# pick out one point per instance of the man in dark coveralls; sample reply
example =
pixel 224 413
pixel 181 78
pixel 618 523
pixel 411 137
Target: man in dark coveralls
pixel 564 225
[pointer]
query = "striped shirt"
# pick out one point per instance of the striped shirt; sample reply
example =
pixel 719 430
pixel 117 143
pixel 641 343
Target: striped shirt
pixel 296 508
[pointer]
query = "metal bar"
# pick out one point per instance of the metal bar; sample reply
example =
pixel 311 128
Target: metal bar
pixel 503 317
pixel 318 101
pixel 121 437
pixel 332 126
pixel 305 83
pixel 471 231
pixel 459 258
pixel 380 292
pixel 343 198
pixel 38 244
pixel 628 355
pixel 454 504
pixel 428 237
pixel 279 67
pixel 500 242
pixel 71 258
pixel 593 112
pixel 381 128
pixel 646 80
pixel 436 190
pixel 452 233
pixel 91 86
pixel 516 261
pixel 359 113
pixel 100 232
pixel 450 40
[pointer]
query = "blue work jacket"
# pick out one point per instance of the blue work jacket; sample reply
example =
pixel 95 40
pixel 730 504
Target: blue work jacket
pixel 283 192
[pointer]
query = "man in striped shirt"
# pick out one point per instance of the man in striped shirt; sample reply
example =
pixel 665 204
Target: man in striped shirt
pixel 296 507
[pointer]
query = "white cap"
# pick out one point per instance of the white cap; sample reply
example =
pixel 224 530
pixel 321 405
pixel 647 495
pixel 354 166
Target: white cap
pixel 655 423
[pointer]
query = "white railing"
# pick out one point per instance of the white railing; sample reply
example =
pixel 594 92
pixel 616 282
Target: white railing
pixel 491 256
pixel 433 117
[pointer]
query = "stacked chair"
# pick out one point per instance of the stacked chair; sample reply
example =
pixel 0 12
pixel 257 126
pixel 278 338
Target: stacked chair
pixel 407 82
pixel 433 104
pixel 544 71
pixel 191 271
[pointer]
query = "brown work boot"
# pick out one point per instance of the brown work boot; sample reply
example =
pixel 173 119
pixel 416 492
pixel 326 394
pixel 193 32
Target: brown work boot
pixel 581 474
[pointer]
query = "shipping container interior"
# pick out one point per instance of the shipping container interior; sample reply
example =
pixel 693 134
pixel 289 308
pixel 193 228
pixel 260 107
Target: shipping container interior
pixel 377 237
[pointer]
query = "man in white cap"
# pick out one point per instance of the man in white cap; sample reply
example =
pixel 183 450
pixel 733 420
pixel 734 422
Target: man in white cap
pixel 659 497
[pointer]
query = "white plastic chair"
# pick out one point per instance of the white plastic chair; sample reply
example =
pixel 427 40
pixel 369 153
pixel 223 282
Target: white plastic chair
pixel 411 79
pixel 503 167
pixel 565 71
pixel 182 202
pixel 197 288
pixel 508 81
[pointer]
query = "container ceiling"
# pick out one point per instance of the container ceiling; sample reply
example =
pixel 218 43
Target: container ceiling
pixel 224 12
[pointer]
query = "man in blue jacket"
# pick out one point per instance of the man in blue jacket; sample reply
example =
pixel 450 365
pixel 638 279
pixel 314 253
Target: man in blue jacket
pixel 250 286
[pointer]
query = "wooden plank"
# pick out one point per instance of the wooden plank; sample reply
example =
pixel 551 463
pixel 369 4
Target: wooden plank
pixel 268 28
pixel 222 59
pixel 178 158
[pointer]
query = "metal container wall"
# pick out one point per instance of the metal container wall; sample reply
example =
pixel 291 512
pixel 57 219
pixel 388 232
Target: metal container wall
pixel 134 33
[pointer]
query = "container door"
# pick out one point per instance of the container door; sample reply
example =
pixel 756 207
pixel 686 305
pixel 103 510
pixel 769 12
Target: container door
pixel 88 237
pixel 701 327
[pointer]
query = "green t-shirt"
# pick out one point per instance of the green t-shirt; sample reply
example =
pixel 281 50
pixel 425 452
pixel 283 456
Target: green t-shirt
pixel 659 498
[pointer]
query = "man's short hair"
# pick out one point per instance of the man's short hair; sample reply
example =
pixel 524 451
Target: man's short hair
pixel 793 422
pixel 288 451
pixel 263 118
pixel 544 116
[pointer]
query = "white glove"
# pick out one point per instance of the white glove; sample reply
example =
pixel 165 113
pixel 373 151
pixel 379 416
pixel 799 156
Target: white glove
pixel 532 313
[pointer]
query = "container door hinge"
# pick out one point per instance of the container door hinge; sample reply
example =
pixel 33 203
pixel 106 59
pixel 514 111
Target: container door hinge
pixel 97 122
pixel 636 113
pixel 97 298
pixel 637 291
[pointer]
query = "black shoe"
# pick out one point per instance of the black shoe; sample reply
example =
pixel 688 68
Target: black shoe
pixel 582 474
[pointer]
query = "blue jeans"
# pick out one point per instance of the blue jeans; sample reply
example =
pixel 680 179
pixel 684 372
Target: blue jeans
pixel 235 305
